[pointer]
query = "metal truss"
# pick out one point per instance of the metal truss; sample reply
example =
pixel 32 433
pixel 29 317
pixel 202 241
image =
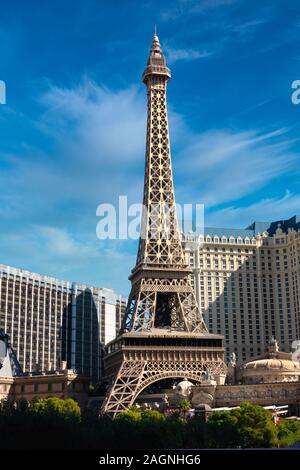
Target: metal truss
pixel 134 376
pixel 160 246
pixel 163 302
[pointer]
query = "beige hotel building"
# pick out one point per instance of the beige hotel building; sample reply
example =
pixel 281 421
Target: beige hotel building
pixel 247 284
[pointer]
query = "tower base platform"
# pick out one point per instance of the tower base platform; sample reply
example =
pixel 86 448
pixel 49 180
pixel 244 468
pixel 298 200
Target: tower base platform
pixel 133 361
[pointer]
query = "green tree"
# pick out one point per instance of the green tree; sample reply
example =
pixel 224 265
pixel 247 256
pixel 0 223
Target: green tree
pixel 196 435
pixel 288 432
pixel 152 416
pixel 185 406
pixel 256 426
pixel 222 431
pixel 250 426
pixel 68 410
pixel 175 432
pixel 126 429
pixel 151 429
pixel 132 415
pixel 141 429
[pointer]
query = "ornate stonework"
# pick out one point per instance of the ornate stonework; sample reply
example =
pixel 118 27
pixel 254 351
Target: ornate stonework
pixel 260 394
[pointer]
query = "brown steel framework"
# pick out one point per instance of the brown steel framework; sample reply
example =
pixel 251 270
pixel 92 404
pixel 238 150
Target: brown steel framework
pixel 162 303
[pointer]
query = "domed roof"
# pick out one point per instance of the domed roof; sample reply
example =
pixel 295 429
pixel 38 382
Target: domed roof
pixel 184 387
pixel 273 366
pixel 273 363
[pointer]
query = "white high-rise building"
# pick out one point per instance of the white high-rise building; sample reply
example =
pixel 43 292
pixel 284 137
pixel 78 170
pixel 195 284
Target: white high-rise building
pixel 49 320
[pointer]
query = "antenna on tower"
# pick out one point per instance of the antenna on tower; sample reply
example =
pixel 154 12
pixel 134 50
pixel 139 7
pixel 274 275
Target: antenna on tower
pixel 155 32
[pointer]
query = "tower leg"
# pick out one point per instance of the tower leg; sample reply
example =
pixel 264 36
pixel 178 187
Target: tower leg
pixel 123 389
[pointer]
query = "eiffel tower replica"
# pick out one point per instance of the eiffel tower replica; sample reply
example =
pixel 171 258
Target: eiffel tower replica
pixel 163 334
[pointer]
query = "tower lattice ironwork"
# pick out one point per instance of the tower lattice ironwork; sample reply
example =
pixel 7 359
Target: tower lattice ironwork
pixel 163 334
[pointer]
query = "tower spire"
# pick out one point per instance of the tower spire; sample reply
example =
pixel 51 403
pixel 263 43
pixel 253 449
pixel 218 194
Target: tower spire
pixel 156 64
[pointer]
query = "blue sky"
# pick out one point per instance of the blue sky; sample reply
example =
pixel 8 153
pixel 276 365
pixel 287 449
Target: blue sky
pixel 72 134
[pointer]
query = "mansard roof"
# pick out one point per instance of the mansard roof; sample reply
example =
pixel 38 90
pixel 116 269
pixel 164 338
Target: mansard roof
pixel 271 227
pixel 228 232
pixel 255 228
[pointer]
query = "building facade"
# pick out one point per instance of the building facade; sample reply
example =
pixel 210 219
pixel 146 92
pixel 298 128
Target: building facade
pixel 50 320
pixel 247 284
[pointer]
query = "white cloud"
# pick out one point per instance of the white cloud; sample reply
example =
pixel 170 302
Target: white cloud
pixel 49 250
pixel 174 55
pixel 268 209
pixel 61 244
pixel 190 7
pixel 231 165
pixel 244 28
pixel 64 254
pixel 96 152
pixel 102 121
pixel 97 140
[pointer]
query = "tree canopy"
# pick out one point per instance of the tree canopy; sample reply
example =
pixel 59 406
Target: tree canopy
pixel 58 423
